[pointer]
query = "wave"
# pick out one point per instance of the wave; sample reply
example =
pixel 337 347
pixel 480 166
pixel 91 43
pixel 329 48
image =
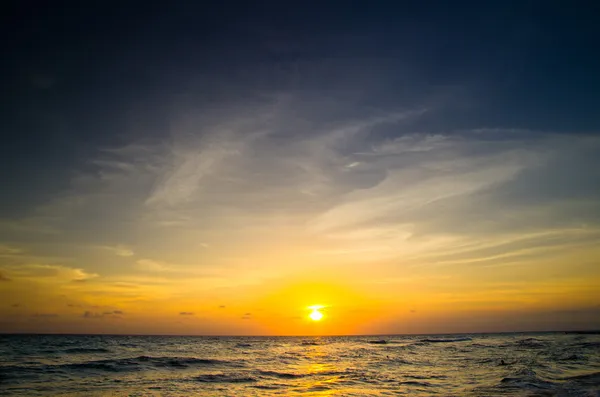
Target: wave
pixel 482 346
pixel 531 342
pixel 592 378
pixel 309 343
pixel 525 372
pixel 291 375
pixel 119 365
pixel 398 361
pixel 428 376
pixel 572 357
pixel 270 387
pixel 588 345
pixel 317 388
pixel 281 375
pixel 85 350
pixel 436 340
pixel 415 383
pixel 224 378
pixel 486 360
pixel 132 345
pixel 526 378
pixel 169 361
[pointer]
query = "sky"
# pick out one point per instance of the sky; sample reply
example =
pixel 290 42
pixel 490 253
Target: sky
pixel 223 168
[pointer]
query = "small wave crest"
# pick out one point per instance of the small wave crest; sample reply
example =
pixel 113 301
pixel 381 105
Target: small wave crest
pixel 292 375
pixel 118 365
pixel 531 342
pixel 270 387
pixel 526 378
pixel 85 350
pixel 447 340
pixel 225 378
pixel 571 357
pixel 426 377
pixel 588 345
pixel 309 343
pixel 281 375
pixel 415 383
pixel 591 379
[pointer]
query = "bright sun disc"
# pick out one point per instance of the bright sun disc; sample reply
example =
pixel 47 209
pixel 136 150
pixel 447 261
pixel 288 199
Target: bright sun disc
pixel 315 315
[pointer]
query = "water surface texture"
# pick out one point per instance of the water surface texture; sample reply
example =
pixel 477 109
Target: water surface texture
pixel 550 364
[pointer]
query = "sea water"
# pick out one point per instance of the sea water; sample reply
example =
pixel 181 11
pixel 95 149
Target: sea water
pixel 549 364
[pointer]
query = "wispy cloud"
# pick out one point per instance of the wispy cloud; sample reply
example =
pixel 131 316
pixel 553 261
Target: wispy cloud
pixel 247 316
pixel 41 271
pixel 10 250
pixel 120 250
pixel 154 266
pixel 115 314
pixel 369 186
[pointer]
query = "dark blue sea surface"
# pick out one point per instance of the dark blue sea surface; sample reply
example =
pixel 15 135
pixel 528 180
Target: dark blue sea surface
pixel 549 364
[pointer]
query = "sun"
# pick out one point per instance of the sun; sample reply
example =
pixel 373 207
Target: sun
pixel 315 314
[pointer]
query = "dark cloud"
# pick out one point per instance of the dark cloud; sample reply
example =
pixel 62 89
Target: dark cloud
pixel 44 315
pixel 109 314
pixel 16 305
pixel 222 307
pixel 125 285
pixel 88 314
pixel 247 316
pixel 4 278
pixel 186 313
pixel 413 311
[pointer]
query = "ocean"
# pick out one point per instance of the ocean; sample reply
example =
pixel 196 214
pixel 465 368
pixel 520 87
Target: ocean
pixel 541 364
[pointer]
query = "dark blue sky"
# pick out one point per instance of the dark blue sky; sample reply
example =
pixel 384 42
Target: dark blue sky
pixel 81 77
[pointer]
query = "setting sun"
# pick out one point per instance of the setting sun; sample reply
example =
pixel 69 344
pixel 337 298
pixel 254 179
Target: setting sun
pixel 315 314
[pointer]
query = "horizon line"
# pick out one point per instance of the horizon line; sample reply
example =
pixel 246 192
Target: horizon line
pixel 575 331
